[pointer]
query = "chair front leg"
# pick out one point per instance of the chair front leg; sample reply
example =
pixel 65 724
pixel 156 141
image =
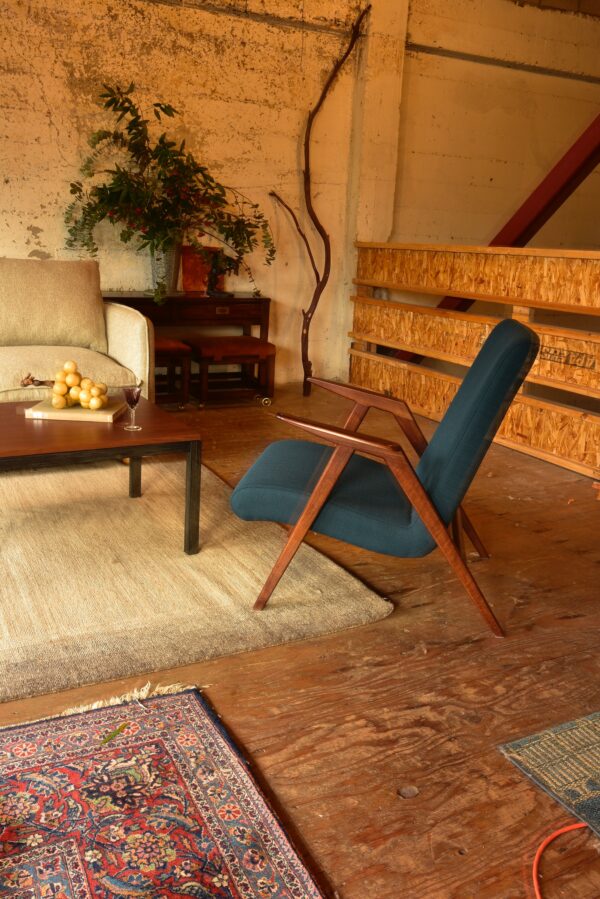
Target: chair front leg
pixel 416 495
pixel 418 441
pixel 337 462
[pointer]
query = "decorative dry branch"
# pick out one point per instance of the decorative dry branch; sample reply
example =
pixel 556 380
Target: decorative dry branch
pixel 30 381
pixel 321 277
pixel 302 234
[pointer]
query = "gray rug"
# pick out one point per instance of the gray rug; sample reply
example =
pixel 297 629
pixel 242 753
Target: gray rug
pixel 96 586
pixel 565 762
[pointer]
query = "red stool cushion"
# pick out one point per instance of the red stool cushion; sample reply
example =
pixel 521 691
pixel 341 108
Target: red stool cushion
pixel 221 348
pixel 171 346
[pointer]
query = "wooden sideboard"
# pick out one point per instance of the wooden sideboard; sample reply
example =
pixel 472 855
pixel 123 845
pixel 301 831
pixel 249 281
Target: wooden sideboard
pixel 181 310
pixel 184 316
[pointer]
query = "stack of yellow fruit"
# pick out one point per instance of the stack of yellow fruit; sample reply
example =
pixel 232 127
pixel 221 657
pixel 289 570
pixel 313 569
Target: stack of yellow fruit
pixel 70 389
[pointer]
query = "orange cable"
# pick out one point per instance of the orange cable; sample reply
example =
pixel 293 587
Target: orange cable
pixel 542 847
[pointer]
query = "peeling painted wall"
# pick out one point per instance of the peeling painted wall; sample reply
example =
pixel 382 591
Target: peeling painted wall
pixel 494 94
pixel 437 139
pixel 243 74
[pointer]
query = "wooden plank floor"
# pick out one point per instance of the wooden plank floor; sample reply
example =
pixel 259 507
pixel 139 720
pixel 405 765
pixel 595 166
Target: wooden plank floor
pixel 337 728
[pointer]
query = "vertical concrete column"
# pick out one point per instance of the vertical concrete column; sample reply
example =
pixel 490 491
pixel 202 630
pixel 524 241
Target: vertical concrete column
pixel 377 123
pixel 375 138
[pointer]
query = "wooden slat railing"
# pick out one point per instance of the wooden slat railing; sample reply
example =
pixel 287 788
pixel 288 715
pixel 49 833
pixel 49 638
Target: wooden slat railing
pixel 566 282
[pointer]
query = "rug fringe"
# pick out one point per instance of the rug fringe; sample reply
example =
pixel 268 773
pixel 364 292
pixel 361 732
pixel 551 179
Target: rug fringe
pixel 145 692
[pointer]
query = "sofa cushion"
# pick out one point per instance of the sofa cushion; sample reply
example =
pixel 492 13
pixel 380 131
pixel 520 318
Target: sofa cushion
pixel 51 302
pixel 16 362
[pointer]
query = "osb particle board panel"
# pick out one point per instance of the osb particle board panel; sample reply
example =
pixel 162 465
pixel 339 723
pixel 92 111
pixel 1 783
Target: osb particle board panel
pixel 568 359
pixel 569 280
pixel 455 337
pixel 556 433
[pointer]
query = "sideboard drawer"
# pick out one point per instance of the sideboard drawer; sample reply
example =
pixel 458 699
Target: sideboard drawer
pixel 218 310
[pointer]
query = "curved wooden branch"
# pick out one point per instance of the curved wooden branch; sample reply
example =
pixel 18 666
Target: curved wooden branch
pixel 31 381
pixel 307 314
pixel 302 234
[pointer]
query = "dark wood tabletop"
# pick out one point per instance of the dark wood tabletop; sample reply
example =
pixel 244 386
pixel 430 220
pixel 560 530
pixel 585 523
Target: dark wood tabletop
pixel 20 436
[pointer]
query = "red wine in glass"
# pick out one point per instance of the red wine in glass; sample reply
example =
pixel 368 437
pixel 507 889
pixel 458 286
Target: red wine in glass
pixel 132 398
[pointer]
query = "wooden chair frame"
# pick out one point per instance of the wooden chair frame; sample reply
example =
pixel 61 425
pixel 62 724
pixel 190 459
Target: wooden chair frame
pixel 347 441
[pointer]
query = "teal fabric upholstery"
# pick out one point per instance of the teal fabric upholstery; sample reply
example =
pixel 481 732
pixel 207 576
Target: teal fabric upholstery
pixel 367 507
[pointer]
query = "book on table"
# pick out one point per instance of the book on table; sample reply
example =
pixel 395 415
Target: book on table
pixel 45 409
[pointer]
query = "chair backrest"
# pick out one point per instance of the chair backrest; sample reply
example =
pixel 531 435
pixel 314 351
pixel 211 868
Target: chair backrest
pixel 464 435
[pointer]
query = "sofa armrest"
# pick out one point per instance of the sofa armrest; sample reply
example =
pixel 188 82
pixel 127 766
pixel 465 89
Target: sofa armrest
pixel 130 337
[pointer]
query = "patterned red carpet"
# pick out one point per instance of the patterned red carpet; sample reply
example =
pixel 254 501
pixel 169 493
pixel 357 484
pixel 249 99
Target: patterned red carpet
pixel 146 799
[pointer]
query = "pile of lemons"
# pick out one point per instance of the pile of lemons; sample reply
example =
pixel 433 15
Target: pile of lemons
pixel 71 389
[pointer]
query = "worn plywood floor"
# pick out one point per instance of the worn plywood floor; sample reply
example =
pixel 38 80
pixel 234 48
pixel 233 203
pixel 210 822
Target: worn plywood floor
pixel 337 729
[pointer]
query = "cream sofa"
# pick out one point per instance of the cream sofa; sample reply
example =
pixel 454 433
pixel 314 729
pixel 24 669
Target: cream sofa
pixel 52 310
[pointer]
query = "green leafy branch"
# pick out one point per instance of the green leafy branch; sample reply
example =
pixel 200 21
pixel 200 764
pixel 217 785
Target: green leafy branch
pixel 156 192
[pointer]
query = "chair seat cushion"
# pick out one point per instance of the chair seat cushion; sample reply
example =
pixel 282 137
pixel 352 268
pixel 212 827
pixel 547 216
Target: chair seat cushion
pixel 223 348
pixel 366 507
pixel 16 362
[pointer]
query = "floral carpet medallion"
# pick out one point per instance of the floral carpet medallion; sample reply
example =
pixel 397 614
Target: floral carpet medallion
pixel 145 799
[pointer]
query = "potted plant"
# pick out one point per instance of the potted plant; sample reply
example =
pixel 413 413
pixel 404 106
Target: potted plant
pixel 159 195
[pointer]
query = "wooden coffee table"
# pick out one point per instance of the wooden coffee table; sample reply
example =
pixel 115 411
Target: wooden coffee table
pixel 35 443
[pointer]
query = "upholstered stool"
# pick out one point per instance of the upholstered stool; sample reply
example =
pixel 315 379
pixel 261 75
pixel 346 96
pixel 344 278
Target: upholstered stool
pixel 173 354
pixel 255 357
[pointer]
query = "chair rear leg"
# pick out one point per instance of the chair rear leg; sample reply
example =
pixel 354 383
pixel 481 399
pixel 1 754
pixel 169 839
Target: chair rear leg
pixel 458 534
pixel 468 581
pixel 478 544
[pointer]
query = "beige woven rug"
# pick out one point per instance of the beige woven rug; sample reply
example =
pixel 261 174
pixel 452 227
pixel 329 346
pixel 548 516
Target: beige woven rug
pixel 94 585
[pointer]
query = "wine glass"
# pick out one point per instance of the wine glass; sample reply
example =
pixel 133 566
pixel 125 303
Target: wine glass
pixel 132 398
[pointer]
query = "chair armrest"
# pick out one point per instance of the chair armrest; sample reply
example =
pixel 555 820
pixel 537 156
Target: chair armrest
pixel 130 337
pixel 364 396
pixel 365 443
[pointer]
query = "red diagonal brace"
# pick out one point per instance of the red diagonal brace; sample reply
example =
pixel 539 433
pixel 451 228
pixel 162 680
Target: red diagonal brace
pixel 566 176
pixel 560 182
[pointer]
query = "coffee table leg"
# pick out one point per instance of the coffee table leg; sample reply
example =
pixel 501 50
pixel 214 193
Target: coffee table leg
pixel 135 476
pixel 192 499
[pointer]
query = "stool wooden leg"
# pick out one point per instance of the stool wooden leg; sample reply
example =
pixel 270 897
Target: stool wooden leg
pixel 171 369
pixel 203 380
pixel 247 374
pixel 185 380
pixel 270 385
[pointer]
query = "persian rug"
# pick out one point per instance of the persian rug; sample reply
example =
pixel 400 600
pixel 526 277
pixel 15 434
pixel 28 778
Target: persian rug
pixel 96 586
pixel 146 799
pixel 565 762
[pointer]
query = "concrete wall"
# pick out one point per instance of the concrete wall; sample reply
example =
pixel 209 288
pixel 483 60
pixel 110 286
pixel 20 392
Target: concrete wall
pixel 244 74
pixel 436 139
pixel 494 94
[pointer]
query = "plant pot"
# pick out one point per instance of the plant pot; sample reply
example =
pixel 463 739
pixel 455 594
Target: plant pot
pixel 196 270
pixel 165 269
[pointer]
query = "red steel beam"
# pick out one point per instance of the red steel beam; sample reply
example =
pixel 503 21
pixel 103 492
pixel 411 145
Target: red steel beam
pixel 558 185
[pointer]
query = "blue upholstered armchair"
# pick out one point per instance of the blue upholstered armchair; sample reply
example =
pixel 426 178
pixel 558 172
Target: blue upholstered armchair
pixel 381 503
